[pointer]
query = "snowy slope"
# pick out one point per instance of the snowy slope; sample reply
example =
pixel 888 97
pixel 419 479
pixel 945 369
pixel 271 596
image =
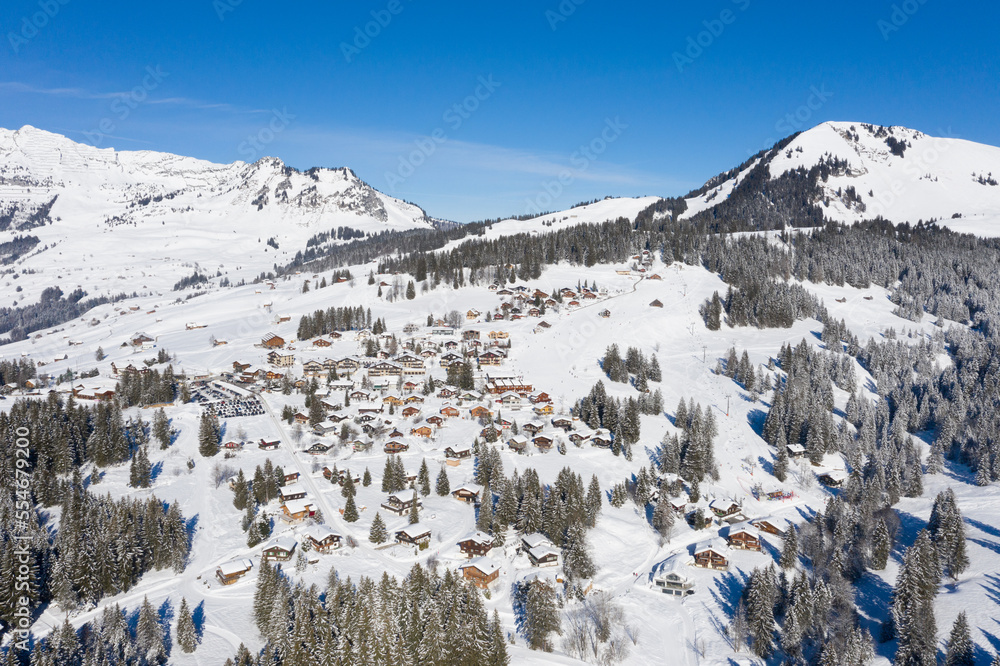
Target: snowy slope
pixel 139 221
pixel 933 178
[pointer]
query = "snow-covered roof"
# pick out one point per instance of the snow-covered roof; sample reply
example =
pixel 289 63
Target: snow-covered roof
pixel 746 528
pixel 538 552
pixel 675 564
pixel 534 539
pixel 285 543
pixel 414 531
pixel 298 506
pixel 714 544
pixel 235 567
pixel 479 537
pixel 484 564
pixel 318 532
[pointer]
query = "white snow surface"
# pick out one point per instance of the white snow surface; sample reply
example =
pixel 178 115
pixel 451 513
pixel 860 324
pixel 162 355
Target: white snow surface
pixel 936 177
pixel 139 221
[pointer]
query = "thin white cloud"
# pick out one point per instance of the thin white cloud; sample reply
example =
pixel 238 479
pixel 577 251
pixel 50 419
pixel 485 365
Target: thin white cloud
pixel 390 148
pixel 81 93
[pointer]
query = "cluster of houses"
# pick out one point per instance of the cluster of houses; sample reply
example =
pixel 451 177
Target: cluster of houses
pixel 715 553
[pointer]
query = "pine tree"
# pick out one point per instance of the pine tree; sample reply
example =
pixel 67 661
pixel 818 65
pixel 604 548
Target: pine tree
pixel 663 519
pixel 593 501
pixel 149 634
pixel 781 464
pixel 350 510
pixel 881 547
pixel 961 649
pixel 414 517
pixel 424 478
pixel 913 603
pixel 541 615
pixel 187 635
pixel 366 480
pixel 378 533
pixel 161 428
pixel 790 548
pixel 208 437
pixel 484 521
pixel 760 593
pixel 140 470
pixel 442 487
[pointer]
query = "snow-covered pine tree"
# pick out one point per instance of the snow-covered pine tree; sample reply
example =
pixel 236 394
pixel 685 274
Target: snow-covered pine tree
pixel 149 635
pixel 442 487
pixel 378 533
pixel 350 510
pixel 961 650
pixel 424 478
pixel 187 634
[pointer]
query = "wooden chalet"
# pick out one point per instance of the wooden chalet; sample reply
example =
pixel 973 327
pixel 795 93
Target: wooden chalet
pixel 410 411
pixel 468 494
pixel 422 431
pixel 318 449
pixel 518 443
pixel 712 554
pixel 272 341
pixel 795 450
pixel 533 427
pixel 435 420
pixel 476 544
pixel 414 534
pixel 321 342
pixel 481 571
pixel 656 304
pixel 449 411
pixel 230 572
pixel 321 538
pixel 480 412
pixel 400 503
pixel 771 525
pixel 279 550
pixel 394 446
pixel 291 492
pixel 724 508
pixel 458 452
pixel 834 478
pixel 563 422
pixel 543 442
pixel 269 445
pixel 744 537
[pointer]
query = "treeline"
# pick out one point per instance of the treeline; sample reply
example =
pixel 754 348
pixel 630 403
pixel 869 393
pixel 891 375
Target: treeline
pixel 192 280
pixel 691 454
pixel 16 371
pixel 324 322
pixel 148 388
pixel 621 417
pixel 634 363
pixel 101 546
pixel 51 309
pixel 427 618
pixel 16 247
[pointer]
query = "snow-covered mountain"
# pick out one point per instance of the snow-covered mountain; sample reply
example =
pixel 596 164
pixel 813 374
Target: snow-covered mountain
pixel 900 174
pixel 121 221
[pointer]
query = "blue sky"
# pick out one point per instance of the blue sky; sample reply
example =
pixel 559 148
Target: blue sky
pixel 475 110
